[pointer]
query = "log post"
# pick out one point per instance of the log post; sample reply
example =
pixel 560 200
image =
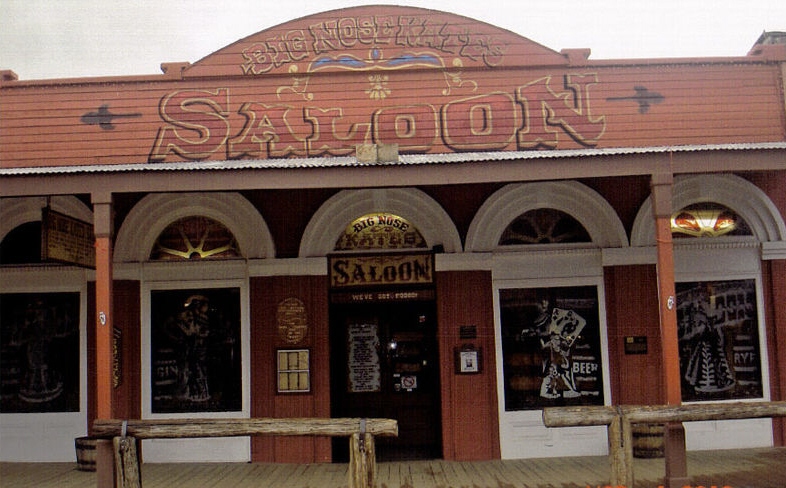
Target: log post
pixel 127 470
pixel 620 452
pixel 362 461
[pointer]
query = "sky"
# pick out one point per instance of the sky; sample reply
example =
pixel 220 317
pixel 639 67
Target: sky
pixel 73 38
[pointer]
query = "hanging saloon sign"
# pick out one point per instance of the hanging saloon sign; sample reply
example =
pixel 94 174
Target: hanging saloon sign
pixel 65 239
pixel 374 270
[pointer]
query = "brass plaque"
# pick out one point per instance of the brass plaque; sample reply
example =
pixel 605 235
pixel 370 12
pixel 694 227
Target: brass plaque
pixel 292 320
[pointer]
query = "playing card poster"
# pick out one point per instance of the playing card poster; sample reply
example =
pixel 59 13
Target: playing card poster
pixel 551 347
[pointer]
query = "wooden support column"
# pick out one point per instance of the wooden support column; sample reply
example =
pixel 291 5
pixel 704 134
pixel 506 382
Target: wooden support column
pixel 674 433
pixel 102 227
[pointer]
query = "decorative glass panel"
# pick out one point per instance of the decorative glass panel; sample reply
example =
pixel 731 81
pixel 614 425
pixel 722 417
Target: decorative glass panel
pixel 551 347
pixel 380 231
pixel 544 226
pixel 720 357
pixel 195 238
pixel 195 350
pixel 708 220
pixel 39 352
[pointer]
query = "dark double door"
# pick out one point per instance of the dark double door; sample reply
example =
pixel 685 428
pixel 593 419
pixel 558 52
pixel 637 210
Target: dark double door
pixel 385 364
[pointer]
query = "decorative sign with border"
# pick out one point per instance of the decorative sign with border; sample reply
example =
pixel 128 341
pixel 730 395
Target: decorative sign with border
pixel 292 320
pixel 354 271
pixel 67 240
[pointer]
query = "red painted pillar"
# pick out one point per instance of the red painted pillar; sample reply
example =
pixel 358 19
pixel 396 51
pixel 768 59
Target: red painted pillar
pixel 103 227
pixel 674 433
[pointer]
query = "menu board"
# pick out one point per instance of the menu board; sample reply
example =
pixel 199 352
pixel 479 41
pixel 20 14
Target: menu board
pixel 363 358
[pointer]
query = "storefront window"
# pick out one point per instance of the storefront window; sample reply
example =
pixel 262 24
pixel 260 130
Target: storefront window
pixel 551 347
pixel 195 238
pixel 196 356
pixel 719 340
pixel 39 352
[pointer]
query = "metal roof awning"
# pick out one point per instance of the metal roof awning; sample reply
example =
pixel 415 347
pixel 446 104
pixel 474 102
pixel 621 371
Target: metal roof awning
pixel 406 170
pixel 404 160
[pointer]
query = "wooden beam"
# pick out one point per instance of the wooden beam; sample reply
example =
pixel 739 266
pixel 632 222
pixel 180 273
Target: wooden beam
pixel 192 428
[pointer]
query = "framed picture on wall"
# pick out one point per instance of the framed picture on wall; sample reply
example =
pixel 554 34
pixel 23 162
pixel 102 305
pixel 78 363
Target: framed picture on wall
pixel 195 350
pixel 293 369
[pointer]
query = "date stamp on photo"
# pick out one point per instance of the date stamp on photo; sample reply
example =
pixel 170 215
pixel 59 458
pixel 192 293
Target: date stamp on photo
pixel 662 486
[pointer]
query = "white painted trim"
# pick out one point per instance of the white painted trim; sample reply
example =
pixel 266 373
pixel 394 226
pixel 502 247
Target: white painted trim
pixel 17 211
pixel 206 450
pixel 332 218
pixel 522 433
pixel 574 198
pixel 773 250
pixel 151 215
pixel 47 437
pixel 740 195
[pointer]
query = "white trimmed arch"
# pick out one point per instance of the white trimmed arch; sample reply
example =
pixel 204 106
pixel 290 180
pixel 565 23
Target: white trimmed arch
pixel 155 212
pixel 575 199
pixel 332 218
pixel 17 211
pixel 740 195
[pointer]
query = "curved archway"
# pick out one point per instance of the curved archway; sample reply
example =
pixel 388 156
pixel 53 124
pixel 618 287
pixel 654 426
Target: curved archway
pixel 740 195
pixel 578 200
pixel 17 211
pixel 155 212
pixel 424 212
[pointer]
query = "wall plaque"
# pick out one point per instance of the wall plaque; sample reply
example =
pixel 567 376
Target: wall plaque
pixel 67 240
pixel 292 320
pixel 363 358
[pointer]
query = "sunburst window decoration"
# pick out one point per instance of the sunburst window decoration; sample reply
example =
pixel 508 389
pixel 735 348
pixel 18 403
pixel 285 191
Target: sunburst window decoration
pixel 544 226
pixel 194 238
pixel 708 219
pixel 380 230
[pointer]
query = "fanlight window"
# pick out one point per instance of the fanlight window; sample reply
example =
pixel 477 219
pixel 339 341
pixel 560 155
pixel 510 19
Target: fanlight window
pixel 708 220
pixel 544 226
pixel 380 231
pixel 22 245
pixel 194 238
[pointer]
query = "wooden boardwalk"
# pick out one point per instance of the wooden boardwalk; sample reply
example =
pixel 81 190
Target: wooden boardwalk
pixel 750 468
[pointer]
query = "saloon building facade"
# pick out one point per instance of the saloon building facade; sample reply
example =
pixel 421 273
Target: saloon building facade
pixel 393 212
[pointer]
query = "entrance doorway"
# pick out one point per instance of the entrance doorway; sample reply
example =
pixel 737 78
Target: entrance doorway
pixel 385 364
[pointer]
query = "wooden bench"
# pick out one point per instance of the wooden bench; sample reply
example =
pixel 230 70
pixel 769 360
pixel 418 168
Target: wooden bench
pixel 361 432
pixel 618 420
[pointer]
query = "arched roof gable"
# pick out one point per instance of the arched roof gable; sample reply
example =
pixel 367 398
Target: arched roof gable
pixel 379 37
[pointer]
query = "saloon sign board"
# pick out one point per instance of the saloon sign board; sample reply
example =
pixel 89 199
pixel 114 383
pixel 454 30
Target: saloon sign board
pixel 426 81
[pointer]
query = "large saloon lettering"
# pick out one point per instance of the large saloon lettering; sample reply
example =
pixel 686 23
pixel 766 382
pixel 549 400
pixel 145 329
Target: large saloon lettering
pixel 200 124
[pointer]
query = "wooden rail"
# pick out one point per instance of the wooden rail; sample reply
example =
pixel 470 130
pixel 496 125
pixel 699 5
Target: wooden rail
pixel 619 419
pixel 361 433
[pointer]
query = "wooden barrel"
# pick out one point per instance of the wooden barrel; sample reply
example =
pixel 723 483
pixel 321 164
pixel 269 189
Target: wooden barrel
pixel 647 440
pixel 85 453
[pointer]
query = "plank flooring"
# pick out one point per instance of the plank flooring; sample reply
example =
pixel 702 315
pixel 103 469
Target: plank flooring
pixel 751 468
